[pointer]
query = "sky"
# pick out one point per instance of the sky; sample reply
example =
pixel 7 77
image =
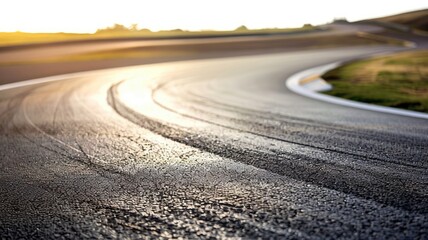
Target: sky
pixel 86 16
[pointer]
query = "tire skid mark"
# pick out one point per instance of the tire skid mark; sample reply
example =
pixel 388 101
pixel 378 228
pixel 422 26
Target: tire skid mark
pixel 299 167
pixel 100 168
pixel 362 156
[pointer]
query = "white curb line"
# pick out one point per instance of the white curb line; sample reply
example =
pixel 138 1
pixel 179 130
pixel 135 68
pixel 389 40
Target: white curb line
pixel 61 77
pixel 40 80
pixel 293 83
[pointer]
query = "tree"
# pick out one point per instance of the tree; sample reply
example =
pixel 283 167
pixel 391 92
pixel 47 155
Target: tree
pixel 134 27
pixel 242 28
pixel 115 28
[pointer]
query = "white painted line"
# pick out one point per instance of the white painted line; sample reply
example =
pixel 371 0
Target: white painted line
pixel 66 76
pixel 40 80
pixel 49 79
pixel 317 85
pixel 293 83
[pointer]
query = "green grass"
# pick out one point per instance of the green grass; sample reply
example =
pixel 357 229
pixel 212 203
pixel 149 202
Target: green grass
pixel 18 38
pixel 416 19
pixel 399 80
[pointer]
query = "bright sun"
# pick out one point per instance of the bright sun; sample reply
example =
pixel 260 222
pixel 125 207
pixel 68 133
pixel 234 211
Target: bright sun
pixel 87 16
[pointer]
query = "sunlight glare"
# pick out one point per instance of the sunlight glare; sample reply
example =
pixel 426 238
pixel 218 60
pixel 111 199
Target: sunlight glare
pixel 87 16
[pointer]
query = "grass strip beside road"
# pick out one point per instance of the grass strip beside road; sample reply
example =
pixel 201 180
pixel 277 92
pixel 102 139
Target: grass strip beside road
pixel 20 38
pixel 398 80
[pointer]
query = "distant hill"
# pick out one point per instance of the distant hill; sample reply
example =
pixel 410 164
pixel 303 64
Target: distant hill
pixel 416 19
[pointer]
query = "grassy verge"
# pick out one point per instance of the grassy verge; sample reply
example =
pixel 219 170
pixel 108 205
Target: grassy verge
pixel 399 80
pixel 18 38
pixel 414 20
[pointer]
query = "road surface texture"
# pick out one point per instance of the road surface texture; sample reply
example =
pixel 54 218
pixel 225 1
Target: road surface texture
pixel 33 61
pixel 214 148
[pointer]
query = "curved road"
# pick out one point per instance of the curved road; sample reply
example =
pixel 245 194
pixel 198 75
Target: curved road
pixel 207 148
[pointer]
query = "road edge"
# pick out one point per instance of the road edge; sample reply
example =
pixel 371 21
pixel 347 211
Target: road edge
pixel 313 88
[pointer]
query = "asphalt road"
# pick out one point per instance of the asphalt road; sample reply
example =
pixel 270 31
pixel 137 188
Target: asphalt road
pixel 207 148
pixel 19 63
pixel 36 52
